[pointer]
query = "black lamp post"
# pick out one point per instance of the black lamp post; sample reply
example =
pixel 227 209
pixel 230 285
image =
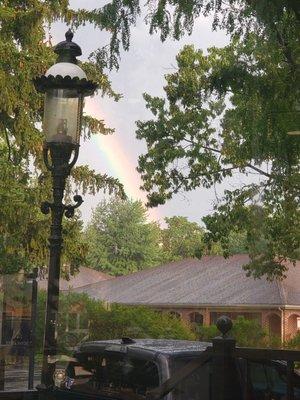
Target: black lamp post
pixel 65 86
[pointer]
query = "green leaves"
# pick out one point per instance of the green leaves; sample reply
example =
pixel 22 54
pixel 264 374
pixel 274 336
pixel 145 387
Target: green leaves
pixel 120 239
pixel 24 183
pixel 174 18
pixel 226 112
pixel 182 239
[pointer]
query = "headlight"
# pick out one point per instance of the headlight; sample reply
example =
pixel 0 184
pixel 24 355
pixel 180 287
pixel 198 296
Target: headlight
pixel 59 376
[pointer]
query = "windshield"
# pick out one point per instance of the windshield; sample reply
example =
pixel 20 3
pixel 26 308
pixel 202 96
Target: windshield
pixel 111 375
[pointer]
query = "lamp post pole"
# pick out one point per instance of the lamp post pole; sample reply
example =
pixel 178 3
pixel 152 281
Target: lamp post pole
pixel 33 276
pixel 65 85
pixel 60 170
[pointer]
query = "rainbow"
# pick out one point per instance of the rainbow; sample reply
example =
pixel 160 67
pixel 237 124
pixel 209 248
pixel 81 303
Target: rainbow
pixel 119 164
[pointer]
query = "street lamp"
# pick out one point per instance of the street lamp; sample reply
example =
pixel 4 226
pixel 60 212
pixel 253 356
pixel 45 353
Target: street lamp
pixel 65 85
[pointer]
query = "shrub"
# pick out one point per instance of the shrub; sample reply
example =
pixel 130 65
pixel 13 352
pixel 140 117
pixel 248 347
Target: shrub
pixel 112 322
pixel 207 333
pixel 247 333
pixel 137 322
pixel 294 343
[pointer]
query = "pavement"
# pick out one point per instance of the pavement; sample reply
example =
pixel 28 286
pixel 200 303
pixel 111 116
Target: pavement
pixel 16 378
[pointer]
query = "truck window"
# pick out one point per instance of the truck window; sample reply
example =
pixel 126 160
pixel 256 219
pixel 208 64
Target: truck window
pixel 195 386
pixel 258 376
pixel 271 379
pixel 112 375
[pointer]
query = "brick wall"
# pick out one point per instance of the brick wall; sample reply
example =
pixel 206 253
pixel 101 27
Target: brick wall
pixel 279 322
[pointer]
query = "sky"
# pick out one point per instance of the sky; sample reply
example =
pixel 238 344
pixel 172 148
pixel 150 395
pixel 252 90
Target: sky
pixel 142 69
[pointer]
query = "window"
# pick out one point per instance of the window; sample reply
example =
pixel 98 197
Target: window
pixel 214 315
pixel 194 384
pixel 175 314
pixel 258 377
pixel 196 318
pixel 72 322
pixel 83 321
pixel 271 379
pixel 111 375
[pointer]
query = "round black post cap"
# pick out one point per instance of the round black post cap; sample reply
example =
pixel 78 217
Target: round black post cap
pixel 224 324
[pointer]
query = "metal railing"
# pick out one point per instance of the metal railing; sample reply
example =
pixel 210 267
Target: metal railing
pixel 225 381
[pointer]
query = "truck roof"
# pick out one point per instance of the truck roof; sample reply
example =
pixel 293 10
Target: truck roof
pixel 162 346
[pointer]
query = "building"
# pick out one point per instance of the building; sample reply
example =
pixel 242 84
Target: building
pixel 202 290
pixel 16 303
pixel 84 276
pixel 75 320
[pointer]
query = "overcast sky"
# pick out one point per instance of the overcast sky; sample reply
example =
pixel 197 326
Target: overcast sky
pixel 142 69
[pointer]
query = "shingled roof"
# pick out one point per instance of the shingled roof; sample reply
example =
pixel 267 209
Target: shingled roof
pixel 84 276
pixel 213 280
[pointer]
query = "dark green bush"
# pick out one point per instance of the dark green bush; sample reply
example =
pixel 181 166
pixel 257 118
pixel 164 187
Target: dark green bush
pixel 294 343
pixel 117 321
pixel 103 322
pixel 137 322
pixel 248 333
pixel 207 333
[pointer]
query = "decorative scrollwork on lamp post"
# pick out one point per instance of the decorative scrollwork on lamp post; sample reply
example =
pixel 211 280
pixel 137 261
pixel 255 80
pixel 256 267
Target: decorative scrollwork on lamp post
pixel 65 85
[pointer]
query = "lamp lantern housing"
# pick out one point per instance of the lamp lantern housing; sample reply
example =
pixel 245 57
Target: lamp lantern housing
pixel 65 85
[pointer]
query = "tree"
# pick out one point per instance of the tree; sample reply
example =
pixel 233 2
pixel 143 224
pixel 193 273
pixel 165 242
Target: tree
pixel 24 54
pixel 181 239
pixel 120 239
pixel 251 87
pixel 174 18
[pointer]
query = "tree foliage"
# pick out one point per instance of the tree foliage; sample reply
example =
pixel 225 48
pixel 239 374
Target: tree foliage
pixel 261 63
pixel 137 322
pixel 26 53
pixel 99 322
pixel 227 112
pixel 120 239
pixel 247 332
pixel 174 18
pixel 181 239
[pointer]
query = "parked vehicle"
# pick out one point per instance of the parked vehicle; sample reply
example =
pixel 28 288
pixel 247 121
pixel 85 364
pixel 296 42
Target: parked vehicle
pixel 129 369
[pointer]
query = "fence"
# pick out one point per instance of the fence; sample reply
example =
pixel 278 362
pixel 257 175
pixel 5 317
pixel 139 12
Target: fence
pixel 228 384
pixel 227 381
pixel 230 371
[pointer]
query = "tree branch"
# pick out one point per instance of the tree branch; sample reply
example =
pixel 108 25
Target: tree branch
pixel 294 5
pixel 8 145
pixel 247 165
pixel 285 48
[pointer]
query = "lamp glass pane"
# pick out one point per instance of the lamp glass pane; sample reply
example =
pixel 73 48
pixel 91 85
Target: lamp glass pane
pixel 62 116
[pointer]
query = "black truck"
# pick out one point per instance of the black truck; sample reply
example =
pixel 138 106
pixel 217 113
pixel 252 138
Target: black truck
pixel 140 369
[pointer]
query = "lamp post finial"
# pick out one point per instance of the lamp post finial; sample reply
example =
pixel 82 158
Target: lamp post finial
pixel 69 35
